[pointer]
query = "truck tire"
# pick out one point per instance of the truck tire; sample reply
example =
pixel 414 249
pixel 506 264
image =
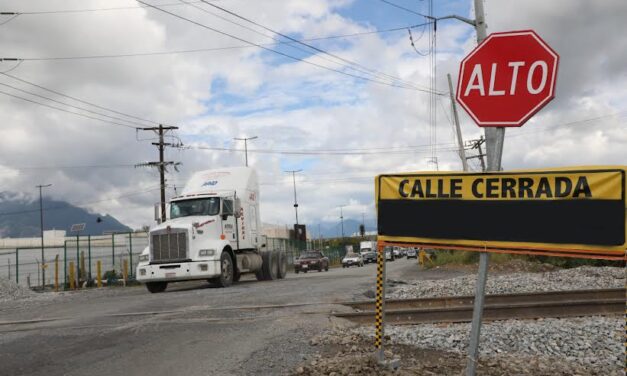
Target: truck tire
pixel 269 267
pixel 282 266
pixel 226 271
pixel 156 287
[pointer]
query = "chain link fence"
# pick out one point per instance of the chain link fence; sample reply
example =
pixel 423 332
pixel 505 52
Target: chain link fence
pixel 78 257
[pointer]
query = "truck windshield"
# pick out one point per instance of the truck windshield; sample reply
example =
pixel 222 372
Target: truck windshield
pixel 198 206
pixel 364 250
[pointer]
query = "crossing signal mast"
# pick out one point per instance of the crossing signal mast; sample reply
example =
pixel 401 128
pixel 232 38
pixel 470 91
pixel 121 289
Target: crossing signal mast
pixel 161 165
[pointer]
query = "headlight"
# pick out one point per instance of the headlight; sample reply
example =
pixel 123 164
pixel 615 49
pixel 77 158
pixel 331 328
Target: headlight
pixel 144 258
pixel 206 252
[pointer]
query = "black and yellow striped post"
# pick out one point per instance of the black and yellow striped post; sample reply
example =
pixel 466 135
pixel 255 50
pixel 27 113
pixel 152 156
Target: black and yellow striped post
pixel 380 303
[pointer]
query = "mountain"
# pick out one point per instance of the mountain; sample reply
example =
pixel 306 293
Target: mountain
pixel 19 217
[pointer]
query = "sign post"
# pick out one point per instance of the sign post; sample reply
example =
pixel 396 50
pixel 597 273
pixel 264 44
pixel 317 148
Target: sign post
pixel 568 212
pixel 502 83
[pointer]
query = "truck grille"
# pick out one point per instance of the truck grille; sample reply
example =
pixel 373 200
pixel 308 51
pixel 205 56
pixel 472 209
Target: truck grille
pixel 168 247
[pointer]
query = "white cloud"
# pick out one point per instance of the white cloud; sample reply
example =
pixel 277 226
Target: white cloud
pixel 215 96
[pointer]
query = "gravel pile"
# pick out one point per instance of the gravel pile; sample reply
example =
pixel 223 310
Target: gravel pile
pixel 349 352
pixel 582 278
pixel 9 290
pixel 590 341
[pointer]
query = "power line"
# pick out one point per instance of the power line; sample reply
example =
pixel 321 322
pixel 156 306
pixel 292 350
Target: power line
pixel 275 51
pixel 64 167
pixel 211 49
pixel 353 64
pixel 68 111
pixel 78 99
pixel 312 152
pixel 293 40
pixel 72 106
pixel 406 9
pixel 94 9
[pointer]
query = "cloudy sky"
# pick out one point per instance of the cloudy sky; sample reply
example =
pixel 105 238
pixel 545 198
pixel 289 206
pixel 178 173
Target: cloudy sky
pixel 355 106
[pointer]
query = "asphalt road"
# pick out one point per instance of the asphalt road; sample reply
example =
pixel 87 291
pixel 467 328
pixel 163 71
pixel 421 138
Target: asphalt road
pixel 191 329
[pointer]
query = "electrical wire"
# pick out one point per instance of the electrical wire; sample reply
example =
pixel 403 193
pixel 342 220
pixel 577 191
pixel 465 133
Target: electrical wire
pixel 78 99
pixel 292 40
pixel 14 16
pixel 72 106
pixel 211 49
pixel 68 111
pixel 276 51
pixel 351 64
pixel 95 9
pixel 312 152
pixel 430 16
pixel 65 167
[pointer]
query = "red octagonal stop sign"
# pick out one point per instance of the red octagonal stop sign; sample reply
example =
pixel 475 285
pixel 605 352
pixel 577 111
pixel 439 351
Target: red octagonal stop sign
pixel 507 79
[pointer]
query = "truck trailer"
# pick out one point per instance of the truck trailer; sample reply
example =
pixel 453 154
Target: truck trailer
pixel 212 232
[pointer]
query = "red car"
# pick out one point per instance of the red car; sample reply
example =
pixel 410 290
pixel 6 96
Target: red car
pixel 311 260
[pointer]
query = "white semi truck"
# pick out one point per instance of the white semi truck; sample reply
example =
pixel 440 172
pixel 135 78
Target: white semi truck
pixel 212 232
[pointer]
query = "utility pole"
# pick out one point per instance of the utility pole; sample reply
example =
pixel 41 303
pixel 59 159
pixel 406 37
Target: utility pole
pixel 494 149
pixel 476 144
pixel 295 202
pixel 494 138
pixel 342 219
pixel 245 139
pixel 161 165
pixel 460 141
pixel 41 228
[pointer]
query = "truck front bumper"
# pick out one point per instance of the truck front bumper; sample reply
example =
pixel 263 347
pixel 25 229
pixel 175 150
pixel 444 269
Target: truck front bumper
pixel 180 271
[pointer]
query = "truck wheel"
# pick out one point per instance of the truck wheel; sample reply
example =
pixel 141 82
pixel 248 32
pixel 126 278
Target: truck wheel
pixel 282 266
pixel 155 287
pixel 273 272
pixel 269 267
pixel 226 270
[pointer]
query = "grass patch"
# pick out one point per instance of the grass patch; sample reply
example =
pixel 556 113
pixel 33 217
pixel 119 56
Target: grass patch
pixel 452 257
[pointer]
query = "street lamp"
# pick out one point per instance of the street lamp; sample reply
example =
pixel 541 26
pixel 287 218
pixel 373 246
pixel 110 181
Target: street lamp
pixel 294 180
pixel 342 219
pixel 245 139
pixel 41 228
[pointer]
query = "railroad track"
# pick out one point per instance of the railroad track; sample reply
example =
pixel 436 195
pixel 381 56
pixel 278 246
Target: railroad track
pixel 497 307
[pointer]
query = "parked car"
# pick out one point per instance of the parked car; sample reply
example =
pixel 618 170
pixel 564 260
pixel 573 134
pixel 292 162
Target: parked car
pixel 352 259
pixel 412 253
pixel 311 260
pixel 368 255
pixel 389 254
pixel 397 252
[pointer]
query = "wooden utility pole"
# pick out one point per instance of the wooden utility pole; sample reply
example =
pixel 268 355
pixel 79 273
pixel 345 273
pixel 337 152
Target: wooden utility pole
pixel 161 165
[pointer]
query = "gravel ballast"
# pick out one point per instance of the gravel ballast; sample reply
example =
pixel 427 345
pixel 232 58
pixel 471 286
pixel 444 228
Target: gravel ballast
pixel 586 345
pixel 590 341
pixel 582 278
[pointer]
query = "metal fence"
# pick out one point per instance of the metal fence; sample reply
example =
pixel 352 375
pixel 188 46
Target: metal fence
pixel 23 264
pixel 293 249
pixel 79 257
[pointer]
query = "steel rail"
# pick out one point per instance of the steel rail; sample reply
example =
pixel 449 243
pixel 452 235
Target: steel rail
pixel 455 301
pixel 498 307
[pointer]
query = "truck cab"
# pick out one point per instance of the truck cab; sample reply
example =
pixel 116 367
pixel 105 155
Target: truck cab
pixel 212 232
